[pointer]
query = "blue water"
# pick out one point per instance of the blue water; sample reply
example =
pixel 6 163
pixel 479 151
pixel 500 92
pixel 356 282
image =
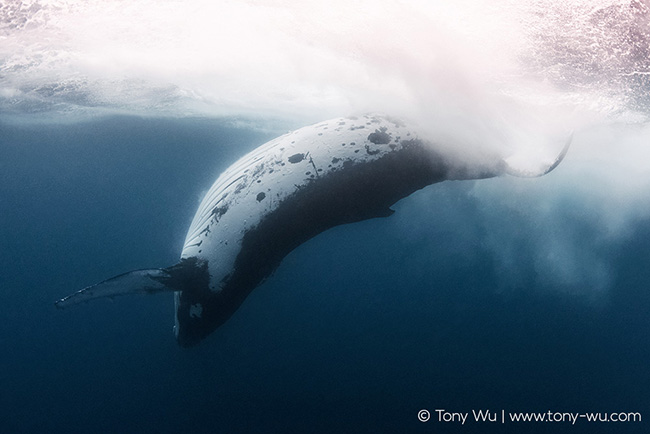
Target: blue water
pixel 358 330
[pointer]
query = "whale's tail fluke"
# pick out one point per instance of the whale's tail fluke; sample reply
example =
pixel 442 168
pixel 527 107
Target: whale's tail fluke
pixel 512 169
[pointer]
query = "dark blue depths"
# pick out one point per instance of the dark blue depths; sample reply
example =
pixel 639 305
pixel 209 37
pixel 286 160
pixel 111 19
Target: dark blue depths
pixel 359 328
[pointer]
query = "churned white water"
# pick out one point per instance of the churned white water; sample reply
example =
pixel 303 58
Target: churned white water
pixel 517 76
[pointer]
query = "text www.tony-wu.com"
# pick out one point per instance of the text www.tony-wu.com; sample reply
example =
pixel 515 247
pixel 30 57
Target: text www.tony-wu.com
pixel 445 416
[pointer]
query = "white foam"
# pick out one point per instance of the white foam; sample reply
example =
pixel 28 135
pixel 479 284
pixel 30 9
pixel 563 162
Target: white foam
pixel 516 75
pixel 308 60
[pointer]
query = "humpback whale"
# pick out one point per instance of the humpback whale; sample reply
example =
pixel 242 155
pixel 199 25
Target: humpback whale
pixel 282 194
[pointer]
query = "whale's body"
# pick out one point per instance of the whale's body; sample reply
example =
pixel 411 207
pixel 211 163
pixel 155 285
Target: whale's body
pixel 280 195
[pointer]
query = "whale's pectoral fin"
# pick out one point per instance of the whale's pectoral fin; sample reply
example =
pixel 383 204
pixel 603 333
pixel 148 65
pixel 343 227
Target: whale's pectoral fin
pixel 540 171
pixel 150 281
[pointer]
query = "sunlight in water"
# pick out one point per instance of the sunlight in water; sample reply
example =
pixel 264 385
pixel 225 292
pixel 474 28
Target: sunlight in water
pixel 516 76
pixel 318 59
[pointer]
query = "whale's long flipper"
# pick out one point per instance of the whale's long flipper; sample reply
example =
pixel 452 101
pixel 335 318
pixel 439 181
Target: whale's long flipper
pixel 135 282
pixel 527 173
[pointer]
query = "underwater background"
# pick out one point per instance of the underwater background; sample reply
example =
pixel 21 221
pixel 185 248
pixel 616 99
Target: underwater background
pixel 521 295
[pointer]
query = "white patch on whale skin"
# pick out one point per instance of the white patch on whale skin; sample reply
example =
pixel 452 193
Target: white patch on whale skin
pixel 257 183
